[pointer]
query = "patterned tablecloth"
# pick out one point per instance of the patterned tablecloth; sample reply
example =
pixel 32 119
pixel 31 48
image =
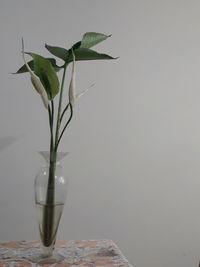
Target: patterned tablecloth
pixel 85 253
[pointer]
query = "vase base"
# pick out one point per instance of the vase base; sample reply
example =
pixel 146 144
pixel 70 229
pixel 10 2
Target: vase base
pixel 43 259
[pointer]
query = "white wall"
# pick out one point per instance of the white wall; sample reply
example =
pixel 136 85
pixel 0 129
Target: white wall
pixel 134 142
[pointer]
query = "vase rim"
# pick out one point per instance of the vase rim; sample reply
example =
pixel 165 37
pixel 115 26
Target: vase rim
pixel 60 155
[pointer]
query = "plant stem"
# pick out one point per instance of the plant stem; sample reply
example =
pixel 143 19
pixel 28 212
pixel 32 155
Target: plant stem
pixel 48 233
pixel 48 214
pixel 71 114
pixel 63 113
pixel 59 107
pixel 50 111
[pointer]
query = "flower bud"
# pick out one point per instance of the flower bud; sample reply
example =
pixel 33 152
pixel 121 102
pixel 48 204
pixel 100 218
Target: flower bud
pixel 36 81
pixel 72 95
pixel 72 87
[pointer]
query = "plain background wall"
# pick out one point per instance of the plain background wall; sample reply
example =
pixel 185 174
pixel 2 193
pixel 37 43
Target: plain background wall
pixel 134 163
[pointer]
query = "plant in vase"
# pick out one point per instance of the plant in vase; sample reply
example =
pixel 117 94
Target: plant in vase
pixel 43 74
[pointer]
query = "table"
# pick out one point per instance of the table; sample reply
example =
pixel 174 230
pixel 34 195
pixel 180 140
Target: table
pixel 82 253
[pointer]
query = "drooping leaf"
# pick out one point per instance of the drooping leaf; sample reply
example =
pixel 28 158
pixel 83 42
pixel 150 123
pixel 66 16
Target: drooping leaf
pixel 59 52
pixel 45 71
pixel 23 69
pixel 92 38
pixel 88 54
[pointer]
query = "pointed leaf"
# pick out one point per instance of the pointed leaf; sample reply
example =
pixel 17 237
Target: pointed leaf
pixel 23 69
pixel 92 38
pixel 76 45
pixel 88 54
pixel 58 51
pixel 45 71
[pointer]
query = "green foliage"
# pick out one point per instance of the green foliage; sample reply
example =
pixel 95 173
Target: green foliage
pixel 45 71
pixel 59 52
pixel 92 38
pixel 46 68
pixel 87 54
pixel 81 48
pixel 23 69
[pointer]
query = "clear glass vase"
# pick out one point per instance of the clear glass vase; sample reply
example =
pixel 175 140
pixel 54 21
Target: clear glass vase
pixel 50 196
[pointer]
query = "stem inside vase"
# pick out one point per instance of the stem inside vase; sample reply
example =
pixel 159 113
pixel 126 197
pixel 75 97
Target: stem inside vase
pixel 49 231
pixel 50 192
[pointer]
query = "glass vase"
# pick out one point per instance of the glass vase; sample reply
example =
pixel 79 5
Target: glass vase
pixel 50 195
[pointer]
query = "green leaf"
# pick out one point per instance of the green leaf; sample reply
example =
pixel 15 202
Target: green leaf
pixel 88 54
pixel 89 39
pixel 45 71
pixel 23 69
pixel 92 38
pixel 58 51
pixel 76 45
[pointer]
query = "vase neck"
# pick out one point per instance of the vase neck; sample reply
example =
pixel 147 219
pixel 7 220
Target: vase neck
pixel 58 156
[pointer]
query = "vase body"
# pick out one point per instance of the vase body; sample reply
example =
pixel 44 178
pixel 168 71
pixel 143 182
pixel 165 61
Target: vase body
pixel 50 195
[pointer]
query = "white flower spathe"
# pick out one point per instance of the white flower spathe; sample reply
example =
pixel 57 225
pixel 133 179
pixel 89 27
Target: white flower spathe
pixel 72 87
pixel 36 81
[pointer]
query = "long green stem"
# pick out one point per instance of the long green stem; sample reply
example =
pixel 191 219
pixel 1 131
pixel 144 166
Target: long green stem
pixel 51 126
pixel 52 111
pixel 48 216
pixel 59 107
pixel 63 113
pixel 71 114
